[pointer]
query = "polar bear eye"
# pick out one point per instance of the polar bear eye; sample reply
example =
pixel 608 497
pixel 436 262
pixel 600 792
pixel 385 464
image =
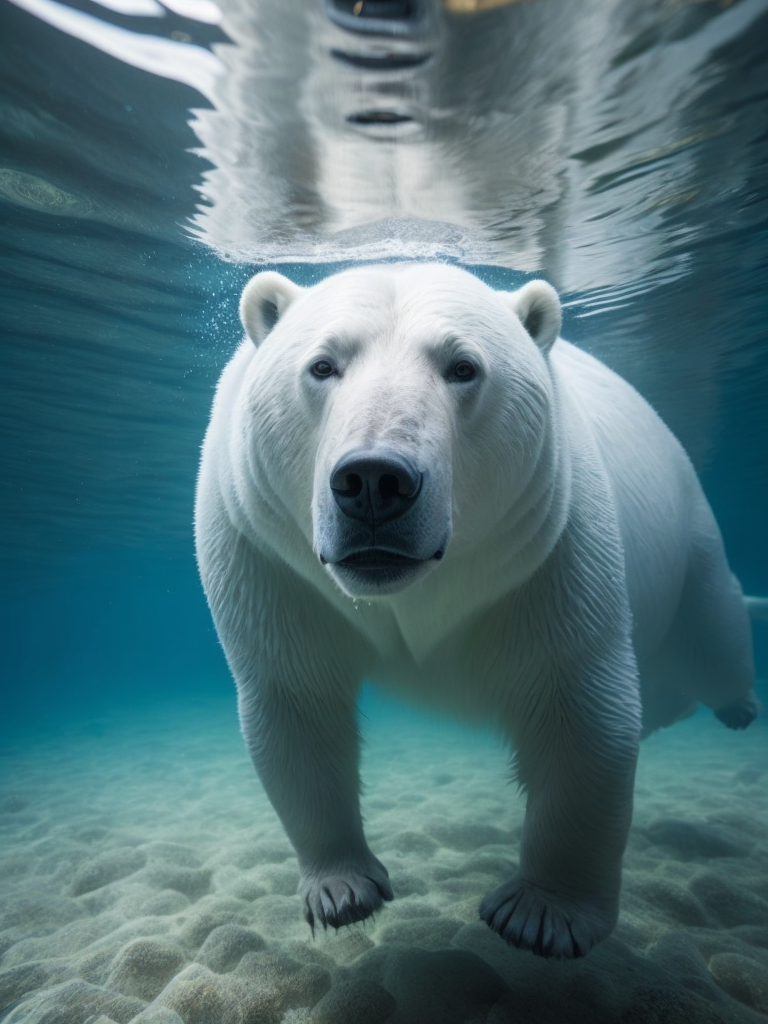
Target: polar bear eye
pixel 463 370
pixel 322 368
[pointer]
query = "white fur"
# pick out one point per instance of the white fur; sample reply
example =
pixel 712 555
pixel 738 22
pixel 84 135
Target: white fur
pixel 581 563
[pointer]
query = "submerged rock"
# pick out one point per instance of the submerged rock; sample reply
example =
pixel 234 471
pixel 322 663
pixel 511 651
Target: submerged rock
pixel 226 945
pixel 357 1001
pixel 109 867
pixel 144 967
pixel 74 1001
pixel 742 978
pixel 691 839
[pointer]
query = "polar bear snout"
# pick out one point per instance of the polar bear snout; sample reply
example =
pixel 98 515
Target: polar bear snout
pixel 380 521
pixel 375 485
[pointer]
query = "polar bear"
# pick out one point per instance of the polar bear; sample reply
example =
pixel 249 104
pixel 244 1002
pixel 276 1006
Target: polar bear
pixel 408 477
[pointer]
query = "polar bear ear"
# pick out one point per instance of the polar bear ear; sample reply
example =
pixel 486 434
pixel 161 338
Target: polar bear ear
pixel 265 299
pixel 537 305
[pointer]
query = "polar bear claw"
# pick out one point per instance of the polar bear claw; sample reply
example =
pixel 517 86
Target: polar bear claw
pixel 739 713
pixel 530 917
pixel 334 899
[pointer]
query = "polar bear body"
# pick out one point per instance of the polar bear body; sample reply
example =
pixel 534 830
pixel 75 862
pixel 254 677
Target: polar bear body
pixel 408 478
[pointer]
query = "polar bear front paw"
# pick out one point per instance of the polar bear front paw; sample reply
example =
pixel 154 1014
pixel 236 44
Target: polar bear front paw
pixel 546 923
pixel 338 897
pixel 740 713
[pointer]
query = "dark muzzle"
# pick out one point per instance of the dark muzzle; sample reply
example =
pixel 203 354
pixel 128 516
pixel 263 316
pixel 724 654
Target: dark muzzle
pixel 375 486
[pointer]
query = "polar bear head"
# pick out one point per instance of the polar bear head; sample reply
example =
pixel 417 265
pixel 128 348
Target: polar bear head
pixel 395 411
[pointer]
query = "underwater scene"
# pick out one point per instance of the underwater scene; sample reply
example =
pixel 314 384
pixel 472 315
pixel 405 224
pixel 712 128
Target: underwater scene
pixel 408 486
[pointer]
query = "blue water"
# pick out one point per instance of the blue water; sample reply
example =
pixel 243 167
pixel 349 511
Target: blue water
pixel 116 322
pixel 128 233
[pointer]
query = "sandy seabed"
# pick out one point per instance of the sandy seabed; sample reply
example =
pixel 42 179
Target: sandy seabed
pixel 144 878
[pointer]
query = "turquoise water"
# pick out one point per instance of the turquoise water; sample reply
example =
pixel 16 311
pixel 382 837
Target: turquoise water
pixel 622 154
pixel 117 322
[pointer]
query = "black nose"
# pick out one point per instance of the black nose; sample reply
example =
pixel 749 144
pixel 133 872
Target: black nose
pixel 375 486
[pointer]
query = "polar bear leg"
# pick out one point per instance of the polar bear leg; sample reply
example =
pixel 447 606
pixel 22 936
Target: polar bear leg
pixel 706 655
pixel 565 896
pixel 308 764
pixel 296 698
pixel 711 639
